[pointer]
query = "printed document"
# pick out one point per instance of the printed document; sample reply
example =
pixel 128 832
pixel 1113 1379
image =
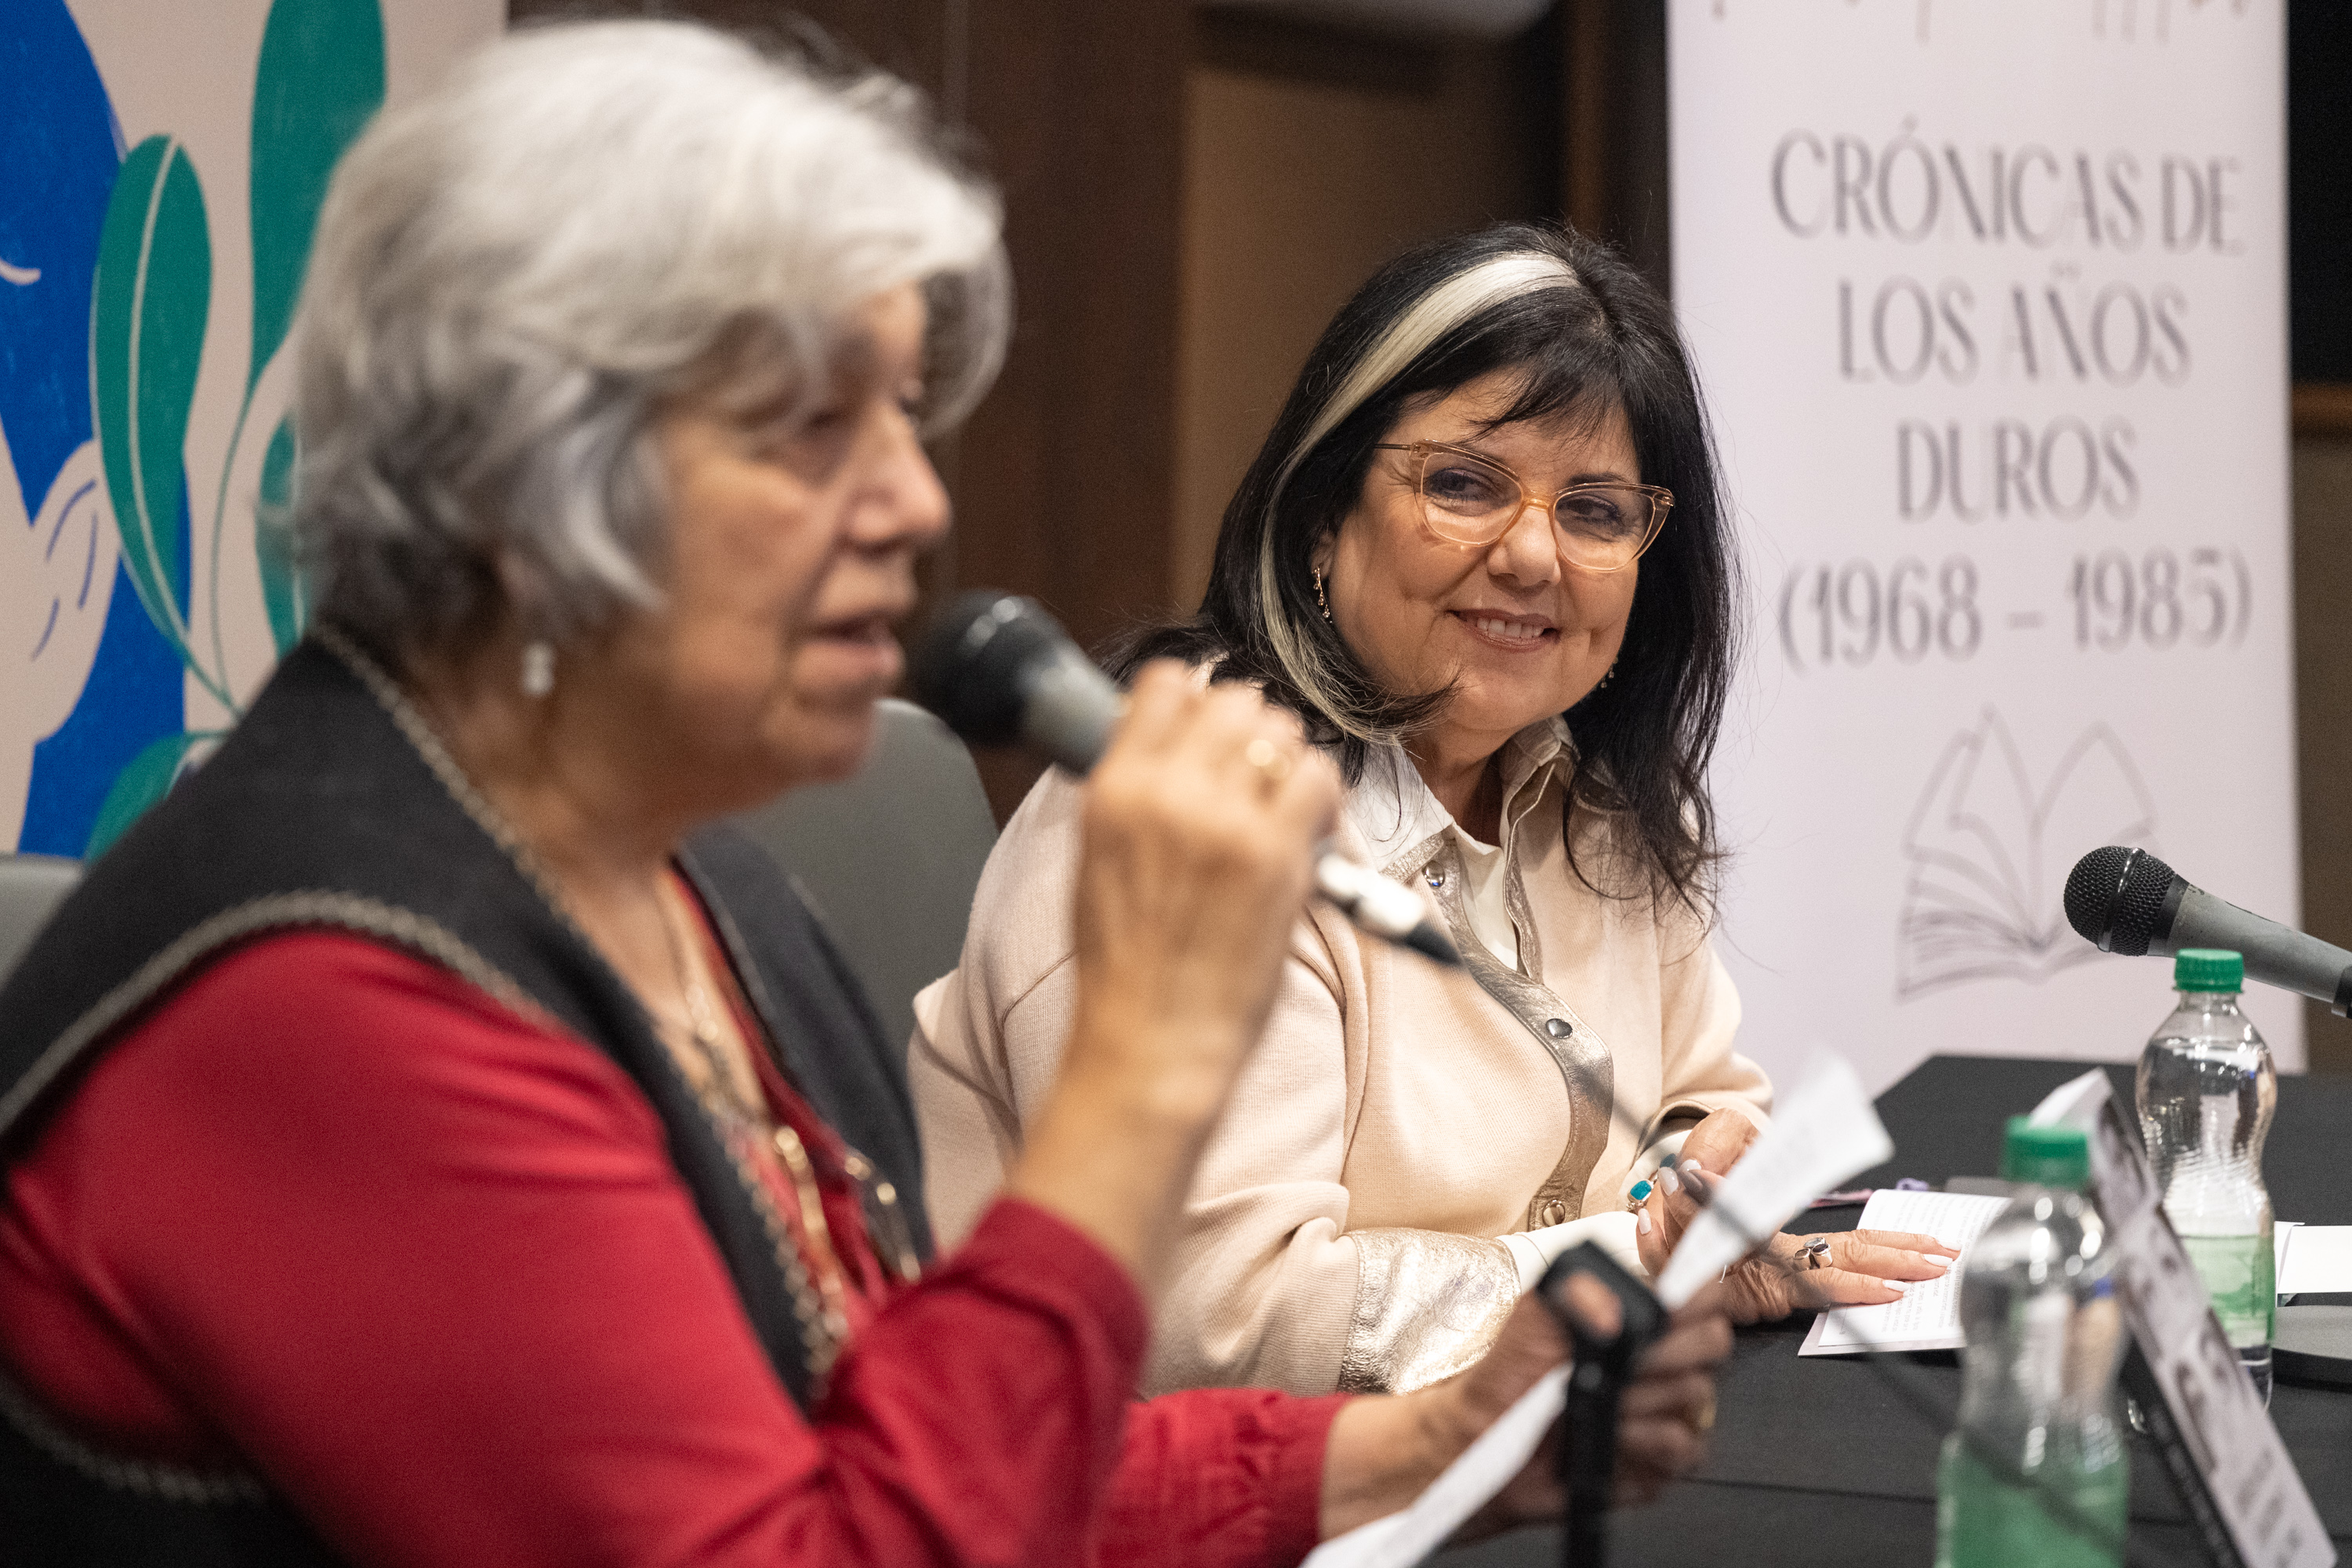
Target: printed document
pixel 1928 1316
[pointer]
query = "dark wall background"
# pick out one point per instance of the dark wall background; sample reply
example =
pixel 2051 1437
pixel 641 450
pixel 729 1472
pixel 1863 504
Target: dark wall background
pixel 2319 188
pixel 2319 307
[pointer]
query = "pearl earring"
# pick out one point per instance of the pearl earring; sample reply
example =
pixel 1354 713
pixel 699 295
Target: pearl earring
pixel 537 667
pixel 1607 675
pixel 1320 602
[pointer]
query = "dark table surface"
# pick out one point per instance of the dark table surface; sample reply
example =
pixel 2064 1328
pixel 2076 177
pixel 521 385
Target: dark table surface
pixel 1818 1460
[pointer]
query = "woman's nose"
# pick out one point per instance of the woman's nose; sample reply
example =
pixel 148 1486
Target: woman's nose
pixel 1528 551
pixel 906 503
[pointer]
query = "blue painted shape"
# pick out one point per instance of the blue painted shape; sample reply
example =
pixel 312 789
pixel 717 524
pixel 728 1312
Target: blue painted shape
pixel 59 155
pixel 135 695
pixel 59 150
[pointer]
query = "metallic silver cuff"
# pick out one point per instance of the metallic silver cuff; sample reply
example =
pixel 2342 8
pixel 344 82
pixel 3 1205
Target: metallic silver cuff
pixel 1428 1304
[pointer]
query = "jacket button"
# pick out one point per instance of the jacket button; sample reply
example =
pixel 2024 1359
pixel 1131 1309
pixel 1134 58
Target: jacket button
pixel 1553 1213
pixel 1437 879
pixel 1558 1029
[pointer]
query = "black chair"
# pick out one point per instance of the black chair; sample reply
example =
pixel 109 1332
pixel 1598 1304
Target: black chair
pixel 890 858
pixel 31 886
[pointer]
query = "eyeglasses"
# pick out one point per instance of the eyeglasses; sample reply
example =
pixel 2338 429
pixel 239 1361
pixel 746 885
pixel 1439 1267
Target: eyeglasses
pixel 1466 499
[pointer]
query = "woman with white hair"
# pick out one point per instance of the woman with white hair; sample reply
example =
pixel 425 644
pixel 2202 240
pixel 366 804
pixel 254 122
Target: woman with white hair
pixel 1481 557
pixel 424 1137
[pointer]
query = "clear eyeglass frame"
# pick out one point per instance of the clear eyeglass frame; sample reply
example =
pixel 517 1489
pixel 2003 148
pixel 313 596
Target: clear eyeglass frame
pixel 1579 548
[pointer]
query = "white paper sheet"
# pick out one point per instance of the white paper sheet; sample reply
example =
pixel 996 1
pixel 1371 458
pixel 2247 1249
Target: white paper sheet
pixel 1928 1316
pixel 1500 1452
pixel 2313 1258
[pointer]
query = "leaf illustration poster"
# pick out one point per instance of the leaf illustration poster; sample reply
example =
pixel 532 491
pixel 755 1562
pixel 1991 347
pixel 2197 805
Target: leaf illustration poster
pixel 163 168
pixel 1989 302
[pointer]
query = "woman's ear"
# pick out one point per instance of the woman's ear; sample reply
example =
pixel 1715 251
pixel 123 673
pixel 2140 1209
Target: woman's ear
pixel 1319 558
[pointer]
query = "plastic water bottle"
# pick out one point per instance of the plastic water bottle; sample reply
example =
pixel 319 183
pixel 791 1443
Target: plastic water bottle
pixel 2206 1092
pixel 2038 1472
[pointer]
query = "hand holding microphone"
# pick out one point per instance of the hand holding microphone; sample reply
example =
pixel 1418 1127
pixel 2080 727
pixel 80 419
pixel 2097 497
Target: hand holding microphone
pixel 1199 820
pixel 997 668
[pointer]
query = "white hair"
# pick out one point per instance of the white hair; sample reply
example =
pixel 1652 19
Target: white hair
pixel 513 275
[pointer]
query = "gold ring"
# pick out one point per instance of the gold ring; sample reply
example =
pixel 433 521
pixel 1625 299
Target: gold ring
pixel 1705 1420
pixel 1268 759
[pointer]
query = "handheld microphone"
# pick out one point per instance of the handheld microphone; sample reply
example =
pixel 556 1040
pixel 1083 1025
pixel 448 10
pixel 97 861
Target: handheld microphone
pixel 997 668
pixel 2129 902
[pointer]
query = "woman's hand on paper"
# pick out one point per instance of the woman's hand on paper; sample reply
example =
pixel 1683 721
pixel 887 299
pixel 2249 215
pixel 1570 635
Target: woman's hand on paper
pixel 1864 1267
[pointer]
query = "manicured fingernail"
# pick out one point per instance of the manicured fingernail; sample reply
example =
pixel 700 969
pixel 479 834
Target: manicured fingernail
pixel 1938 1262
pixel 1669 1182
pixel 1692 1165
pixel 1642 1222
pixel 1895 1285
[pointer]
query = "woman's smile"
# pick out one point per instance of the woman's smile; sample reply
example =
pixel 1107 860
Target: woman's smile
pixel 1511 633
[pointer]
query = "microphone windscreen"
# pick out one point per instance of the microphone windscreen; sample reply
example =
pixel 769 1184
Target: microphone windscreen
pixel 973 665
pixel 2115 896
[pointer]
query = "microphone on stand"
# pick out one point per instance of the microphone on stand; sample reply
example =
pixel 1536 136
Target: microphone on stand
pixel 2129 902
pixel 997 668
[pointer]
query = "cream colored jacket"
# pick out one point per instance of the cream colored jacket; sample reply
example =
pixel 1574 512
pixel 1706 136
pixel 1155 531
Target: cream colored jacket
pixel 1395 1119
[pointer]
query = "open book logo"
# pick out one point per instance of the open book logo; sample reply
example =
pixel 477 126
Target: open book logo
pixel 1988 853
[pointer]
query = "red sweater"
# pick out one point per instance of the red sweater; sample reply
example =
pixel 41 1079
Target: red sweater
pixel 425 1263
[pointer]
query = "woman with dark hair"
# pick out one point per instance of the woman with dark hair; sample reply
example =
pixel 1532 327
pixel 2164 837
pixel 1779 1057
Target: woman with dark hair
pixel 1483 556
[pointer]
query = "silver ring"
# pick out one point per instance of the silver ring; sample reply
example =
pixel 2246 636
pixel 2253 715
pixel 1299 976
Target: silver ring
pixel 1815 1254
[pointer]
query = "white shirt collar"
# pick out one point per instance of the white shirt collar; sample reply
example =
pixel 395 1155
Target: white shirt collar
pixel 1394 811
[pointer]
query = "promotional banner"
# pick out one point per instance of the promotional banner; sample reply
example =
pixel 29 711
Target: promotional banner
pixel 1989 303
pixel 164 165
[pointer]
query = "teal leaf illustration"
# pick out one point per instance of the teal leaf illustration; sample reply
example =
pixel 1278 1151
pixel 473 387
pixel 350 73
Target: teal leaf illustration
pixel 320 80
pixel 283 592
pixel 146 780
pixel 147 310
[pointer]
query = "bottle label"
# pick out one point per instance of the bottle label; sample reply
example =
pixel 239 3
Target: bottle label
pixel 2239 1272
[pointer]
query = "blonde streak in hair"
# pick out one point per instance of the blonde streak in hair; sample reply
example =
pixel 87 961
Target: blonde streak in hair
pixel 1434 315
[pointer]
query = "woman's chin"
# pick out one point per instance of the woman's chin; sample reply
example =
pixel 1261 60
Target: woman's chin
pixel 1507 706
pixel 828 741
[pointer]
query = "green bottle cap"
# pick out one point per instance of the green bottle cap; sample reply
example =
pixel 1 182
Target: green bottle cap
pixel 2207 969
pixel 2045 1156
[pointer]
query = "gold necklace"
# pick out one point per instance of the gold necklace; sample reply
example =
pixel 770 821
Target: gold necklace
pixel 751 1113
pixel 702 1024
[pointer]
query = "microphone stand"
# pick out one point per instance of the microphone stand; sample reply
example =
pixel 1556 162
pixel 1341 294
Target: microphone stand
pixel 1587 1455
